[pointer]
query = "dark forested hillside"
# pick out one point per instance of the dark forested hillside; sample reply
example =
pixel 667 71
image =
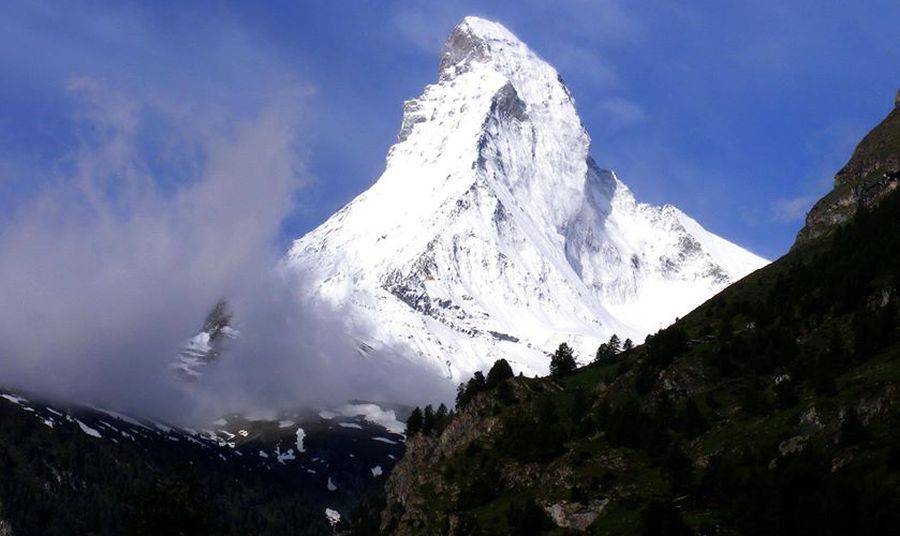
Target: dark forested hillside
pixel 77 470
pixel 770 409
pixel 62 481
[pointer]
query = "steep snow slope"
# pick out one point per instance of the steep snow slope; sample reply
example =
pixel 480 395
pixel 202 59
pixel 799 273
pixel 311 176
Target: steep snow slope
pixel 492 233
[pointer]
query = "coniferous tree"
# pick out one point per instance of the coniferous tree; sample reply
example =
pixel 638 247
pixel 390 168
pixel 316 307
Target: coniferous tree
pixel 428 420
pixel 499 372
pixel 440 418
pixel 563 361
pixel 414 422
pixel 615 345
pixel 627 346
pixel 608 351
pixel 478 382
pixel 467 390
pixel 461 396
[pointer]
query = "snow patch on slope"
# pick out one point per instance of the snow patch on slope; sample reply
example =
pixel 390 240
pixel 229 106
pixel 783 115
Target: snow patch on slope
pixel 372 413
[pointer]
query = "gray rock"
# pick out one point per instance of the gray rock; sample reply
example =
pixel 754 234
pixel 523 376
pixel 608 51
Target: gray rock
pixel 872 172
pixel 577 516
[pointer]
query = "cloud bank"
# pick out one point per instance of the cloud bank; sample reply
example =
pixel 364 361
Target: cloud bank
pixel 159 211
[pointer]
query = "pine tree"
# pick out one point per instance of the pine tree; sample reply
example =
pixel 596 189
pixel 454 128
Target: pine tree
pixel 627 346
pixel 440 419
pixel 615 345
pixel 499 372
pixel 461 395
pixel 609 350
pixel 428 420
pixel 563 361
pixel 467 390
pixel 414 422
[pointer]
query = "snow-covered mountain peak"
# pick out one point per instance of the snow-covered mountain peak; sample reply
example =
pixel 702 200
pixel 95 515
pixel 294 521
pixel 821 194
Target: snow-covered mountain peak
pixel 476 40
pixel 492 233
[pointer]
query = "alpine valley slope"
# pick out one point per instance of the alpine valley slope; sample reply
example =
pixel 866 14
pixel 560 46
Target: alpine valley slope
pixel 492 233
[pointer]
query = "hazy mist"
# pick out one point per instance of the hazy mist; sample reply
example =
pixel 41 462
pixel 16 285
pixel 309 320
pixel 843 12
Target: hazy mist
pixel 156 213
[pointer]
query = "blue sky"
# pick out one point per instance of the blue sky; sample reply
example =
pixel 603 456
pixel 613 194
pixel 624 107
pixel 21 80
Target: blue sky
pixel 738 113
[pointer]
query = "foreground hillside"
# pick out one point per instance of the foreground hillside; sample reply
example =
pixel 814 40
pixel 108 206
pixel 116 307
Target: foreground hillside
pixel 770 409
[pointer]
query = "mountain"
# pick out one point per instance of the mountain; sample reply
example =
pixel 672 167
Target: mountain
pixel 773 408
pixel 74 469
pixel 207 345
pixel 872 172
pixel 492 232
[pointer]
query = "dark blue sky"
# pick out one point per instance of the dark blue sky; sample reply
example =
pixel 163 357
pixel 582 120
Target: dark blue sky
pixel 738 114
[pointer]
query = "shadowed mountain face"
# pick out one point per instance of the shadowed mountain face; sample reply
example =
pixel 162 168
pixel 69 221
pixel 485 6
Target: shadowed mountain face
pixel 872 173
pixel 773 408
pixel 492 233
pixel 207 345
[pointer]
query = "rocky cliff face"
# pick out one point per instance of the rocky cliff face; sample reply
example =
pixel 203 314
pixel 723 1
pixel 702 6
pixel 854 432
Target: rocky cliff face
pixel 409 512
pixel 872 172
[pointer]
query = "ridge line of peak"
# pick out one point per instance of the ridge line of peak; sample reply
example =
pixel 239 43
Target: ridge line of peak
pixel 476 40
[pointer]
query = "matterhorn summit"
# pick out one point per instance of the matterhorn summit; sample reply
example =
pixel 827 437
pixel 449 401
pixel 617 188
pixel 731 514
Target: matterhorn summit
pixel 492 233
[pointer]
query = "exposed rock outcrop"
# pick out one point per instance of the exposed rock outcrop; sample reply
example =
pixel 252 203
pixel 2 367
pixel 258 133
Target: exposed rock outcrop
pixel 871 173
pixel 407 511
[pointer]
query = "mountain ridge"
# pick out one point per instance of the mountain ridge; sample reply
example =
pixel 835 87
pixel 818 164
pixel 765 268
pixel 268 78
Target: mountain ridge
pixel 493 233
pixel 871 173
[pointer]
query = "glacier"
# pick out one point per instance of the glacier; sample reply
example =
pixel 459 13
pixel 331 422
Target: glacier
pixel 492 233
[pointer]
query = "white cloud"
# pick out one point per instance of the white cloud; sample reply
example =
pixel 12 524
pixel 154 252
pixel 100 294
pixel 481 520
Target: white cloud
pixel 619 113
pixel 793 209
pixel 421 30
pixel 587 63
pixel 608 21
pixel 104 272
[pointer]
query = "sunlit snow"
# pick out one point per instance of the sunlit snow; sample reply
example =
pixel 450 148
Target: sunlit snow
pixel 492 233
